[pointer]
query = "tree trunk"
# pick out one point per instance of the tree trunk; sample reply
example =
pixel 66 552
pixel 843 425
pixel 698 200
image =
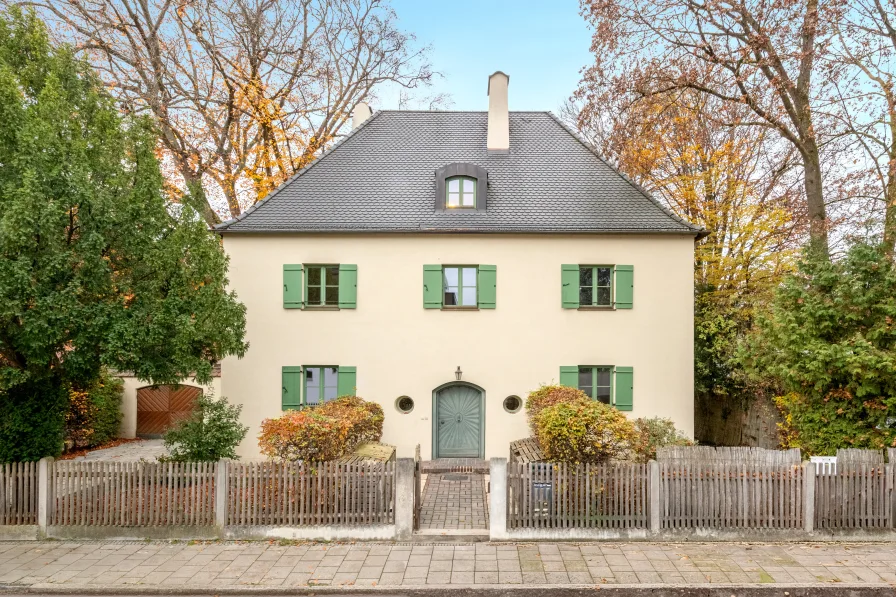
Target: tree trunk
pixel 197 197
pixel 890 213
pixel 818 224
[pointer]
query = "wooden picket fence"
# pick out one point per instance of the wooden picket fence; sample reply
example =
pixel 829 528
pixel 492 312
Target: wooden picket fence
pixel 303 493
pixel 857 496
pixel 559 495
pixel 728 495
pixel 133 494
pixel 18 493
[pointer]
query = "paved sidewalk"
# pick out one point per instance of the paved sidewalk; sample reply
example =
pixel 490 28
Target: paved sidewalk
pixel 229 566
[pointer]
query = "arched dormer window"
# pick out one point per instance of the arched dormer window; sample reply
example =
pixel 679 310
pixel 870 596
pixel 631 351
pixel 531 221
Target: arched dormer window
pixel 461 188
pixel 461 192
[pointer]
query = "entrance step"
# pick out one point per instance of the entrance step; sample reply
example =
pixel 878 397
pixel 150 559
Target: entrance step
pixel 450 535
pixel 454 465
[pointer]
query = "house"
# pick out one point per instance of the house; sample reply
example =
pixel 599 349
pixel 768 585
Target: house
pixel 444 264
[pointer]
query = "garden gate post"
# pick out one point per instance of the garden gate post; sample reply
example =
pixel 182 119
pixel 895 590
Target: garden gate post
pixel 44 496
pixel 653 484
pixel 808 496
pixel 404 499
pixel 497 514
pixel 222 483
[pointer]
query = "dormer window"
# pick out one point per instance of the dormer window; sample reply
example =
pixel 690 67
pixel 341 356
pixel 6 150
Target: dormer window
pixel 461 188
pixel 461 192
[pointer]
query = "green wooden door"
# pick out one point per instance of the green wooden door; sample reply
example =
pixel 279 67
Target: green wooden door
pixel 459 422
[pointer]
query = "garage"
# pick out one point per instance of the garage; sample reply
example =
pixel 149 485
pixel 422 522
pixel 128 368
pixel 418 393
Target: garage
pixel 160 407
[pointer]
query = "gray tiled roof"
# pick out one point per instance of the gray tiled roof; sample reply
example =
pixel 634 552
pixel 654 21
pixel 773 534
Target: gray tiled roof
pixel 381 178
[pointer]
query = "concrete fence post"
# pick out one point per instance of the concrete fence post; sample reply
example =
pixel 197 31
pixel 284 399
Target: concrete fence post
pixel 653 474
pixel 809 496
pixel 497 509
pixel 222 483
pixel 44 496
pixel 404 499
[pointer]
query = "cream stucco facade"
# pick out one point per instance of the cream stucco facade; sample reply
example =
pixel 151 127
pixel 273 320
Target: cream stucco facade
pixel 400 348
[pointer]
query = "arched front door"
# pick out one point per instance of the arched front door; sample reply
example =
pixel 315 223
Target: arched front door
pixel 459 422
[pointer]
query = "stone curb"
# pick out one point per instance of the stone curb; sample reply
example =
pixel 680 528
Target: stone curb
pixel 640 590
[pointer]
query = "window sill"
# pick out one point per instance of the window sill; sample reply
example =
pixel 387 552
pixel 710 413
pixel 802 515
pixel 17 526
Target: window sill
pixel 460 308
pixel 608 308
pixel 321 308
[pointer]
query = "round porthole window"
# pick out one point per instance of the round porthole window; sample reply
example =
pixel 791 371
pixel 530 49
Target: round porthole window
pixel 513 404
pixel 404 404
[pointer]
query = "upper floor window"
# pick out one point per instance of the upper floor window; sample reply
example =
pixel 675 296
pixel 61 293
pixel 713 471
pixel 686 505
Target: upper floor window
pixel 323 286
pixel 461 192
pixel 595 286
pixel 460 286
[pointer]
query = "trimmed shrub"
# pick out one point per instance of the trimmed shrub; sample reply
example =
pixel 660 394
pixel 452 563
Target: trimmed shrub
pixel 583 431
pixel 325 432
pixel 654 433
pixel 365 418
pixel 94 412
pixel 211 433
pixel 547 396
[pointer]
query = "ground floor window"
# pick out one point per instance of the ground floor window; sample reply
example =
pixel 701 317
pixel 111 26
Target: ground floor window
pixel 596 382
pixel 320 384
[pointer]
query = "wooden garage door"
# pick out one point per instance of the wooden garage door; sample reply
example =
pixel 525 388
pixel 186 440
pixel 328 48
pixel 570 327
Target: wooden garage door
pixel 160 407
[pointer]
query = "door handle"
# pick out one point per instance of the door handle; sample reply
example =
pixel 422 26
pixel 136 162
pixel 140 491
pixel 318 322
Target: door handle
pixel 441 422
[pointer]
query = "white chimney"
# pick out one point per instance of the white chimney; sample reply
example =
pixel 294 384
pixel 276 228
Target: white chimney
pixel 362 112
pixel 498 118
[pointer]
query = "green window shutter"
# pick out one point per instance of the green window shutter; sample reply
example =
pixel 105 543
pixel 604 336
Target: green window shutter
pixel 569 376
pixel 293 290
pixel 348 286
pixel 625 285
pixel 432 286
pixel 292 387
pixel 569 278
pixel 488 286
pixel 625 383
pixel 346 381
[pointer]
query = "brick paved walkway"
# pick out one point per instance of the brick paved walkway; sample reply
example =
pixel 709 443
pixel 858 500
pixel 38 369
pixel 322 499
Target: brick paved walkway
pixel 229 565
pixel 147 449
pixel 454 501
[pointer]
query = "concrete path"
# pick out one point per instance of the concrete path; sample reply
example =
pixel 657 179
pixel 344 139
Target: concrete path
pixel 147 449
pixel 454 501
pixel 230 566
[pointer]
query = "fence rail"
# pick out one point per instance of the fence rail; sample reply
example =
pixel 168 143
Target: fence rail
pixel 133 494
pixel 546 495
pixel 726 495
pixel 300 494
pixel 18 493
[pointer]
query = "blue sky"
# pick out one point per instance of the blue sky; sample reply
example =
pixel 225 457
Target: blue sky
pixel 541 45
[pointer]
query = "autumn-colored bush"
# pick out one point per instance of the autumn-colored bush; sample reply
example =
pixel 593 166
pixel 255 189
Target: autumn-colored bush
pixel 583 431
pixel 366 418
pixel 546 396
pixel 94 412
pixel 325 432
pixel 654 433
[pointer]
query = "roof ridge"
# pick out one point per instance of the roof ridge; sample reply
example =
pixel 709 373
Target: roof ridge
pixel 226 224
pixel 641 189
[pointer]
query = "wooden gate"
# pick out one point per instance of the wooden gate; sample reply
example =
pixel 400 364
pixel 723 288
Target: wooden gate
pixel 161 407
pixel 418 498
